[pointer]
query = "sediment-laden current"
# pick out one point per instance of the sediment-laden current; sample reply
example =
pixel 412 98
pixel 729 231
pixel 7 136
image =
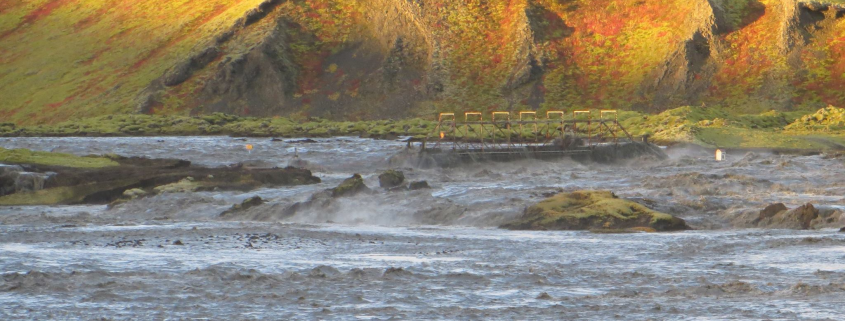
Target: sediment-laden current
pixel 426 254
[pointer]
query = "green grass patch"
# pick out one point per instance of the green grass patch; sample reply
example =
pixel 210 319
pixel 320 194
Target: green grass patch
pixel 25 156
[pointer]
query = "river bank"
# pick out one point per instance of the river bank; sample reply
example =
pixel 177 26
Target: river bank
pixel 821 130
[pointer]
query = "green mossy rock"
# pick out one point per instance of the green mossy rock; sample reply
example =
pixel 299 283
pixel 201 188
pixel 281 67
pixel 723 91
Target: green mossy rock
pixel 351 186
pixel 593 210
pixel 391 179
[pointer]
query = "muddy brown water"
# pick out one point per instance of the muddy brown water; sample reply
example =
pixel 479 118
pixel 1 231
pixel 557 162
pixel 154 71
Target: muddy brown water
pixel 431 254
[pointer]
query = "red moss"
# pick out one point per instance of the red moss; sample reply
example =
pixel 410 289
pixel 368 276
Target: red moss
pixel 184 33
pixel 52 107
pixel 35 15
pixel 7 5
pixel 91 20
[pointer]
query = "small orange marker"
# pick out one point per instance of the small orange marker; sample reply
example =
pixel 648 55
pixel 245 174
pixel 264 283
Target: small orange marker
pixel 249 148
pixel 442 134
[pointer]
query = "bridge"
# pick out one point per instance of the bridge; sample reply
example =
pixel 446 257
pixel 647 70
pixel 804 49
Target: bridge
pixel 506 136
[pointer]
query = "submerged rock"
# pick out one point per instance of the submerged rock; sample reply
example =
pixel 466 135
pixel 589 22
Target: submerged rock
pixel 391 179
pixel 326 199
pixel 418 185
pixel 243 206
pixel 586 210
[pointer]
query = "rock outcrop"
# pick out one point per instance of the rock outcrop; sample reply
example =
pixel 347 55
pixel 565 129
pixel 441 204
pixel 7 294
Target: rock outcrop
pixel 134 177
pixel 391 178
pixel 589 210
pixel 418 185
pixel 243 206
pixel 778 216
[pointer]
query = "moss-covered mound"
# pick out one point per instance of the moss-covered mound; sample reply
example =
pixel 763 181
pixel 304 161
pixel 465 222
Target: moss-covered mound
pixel 589 210
pixel 825 120
pixel 25 156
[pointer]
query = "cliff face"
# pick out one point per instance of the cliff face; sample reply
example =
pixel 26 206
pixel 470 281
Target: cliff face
pixel 356 59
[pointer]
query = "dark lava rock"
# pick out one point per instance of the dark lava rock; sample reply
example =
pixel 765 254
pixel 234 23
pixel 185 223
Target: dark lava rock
pixel 351 186
pixel 842 230
pixel 178 242
pixel 243 206
pixel 391 179
pixel 418 185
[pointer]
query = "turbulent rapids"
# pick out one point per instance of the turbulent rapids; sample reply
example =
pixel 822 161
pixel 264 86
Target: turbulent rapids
pixel 432 253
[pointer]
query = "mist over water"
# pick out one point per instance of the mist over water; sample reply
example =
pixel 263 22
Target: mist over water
pixel 428 254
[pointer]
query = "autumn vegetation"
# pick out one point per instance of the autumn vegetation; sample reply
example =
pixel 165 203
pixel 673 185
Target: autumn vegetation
pixel 65 65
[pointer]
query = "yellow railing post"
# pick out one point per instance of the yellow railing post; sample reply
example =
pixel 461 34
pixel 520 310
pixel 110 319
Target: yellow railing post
pixel 562 116
pixel 533 114
pixel 615 122
pixel 507 124
pixel 480 122
pixel 589 130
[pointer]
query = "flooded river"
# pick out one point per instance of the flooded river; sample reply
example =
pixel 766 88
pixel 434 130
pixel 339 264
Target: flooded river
pixel 429 254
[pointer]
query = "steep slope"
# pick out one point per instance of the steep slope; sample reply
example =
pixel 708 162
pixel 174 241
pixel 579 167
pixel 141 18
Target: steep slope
pixel 357 59
pixel 64 59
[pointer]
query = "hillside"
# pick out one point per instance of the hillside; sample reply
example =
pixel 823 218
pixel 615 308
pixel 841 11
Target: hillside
pixel 367 59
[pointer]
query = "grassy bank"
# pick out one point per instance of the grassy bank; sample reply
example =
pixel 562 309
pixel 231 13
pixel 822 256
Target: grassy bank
pixel 710 127
pixel 713 127
pixel 220 124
